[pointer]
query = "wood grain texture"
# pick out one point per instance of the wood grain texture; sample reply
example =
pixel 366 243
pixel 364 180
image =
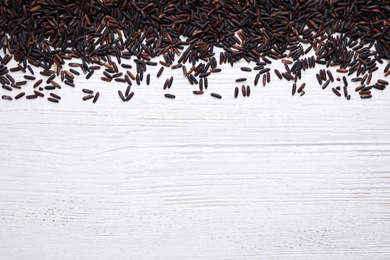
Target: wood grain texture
pixel 270 176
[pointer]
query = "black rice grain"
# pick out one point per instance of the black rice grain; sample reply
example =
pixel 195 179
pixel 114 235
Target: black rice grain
pixel 216 95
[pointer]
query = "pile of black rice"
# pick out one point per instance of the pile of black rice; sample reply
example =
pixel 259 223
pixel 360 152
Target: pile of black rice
pixel 125 37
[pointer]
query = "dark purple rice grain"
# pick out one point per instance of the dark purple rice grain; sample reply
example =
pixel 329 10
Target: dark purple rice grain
pixel 373 69
pixel 21 94
pixel 53 100
pixel 256 79
pixel 50 79
pixel 105 79
pixel 294 89
pixel 56 84
pixel 7 87
pixel 193 79
pixel 216 95
pixel 169 96
pixel 246 69
pixel 130 96
pixel 170 82
pixel 286 76
pixel 87 97
pixel 264 70
pixel 127 91
pixel 29 77
pixel 366 96
pixel 266 60
pixel 148 79
pixel 319 79
pixel 141 75
pixel 345 81
pixel 176 66
pixel 21 68
pixel 69 83
pixel 248 91
pixel 287 68
pixel 367 88
pixel 122 80
pixel 383 81
pixel 55 95
pixel 278 74
pixel 105 73
pixel 30 69
pixel 364 79
pixel 116 75
pixel 50 87
pixel 241 79
pixel 166 84
pixel 38 83
pixel 31 96
pixel 161 71
pixel 379 86
pixel 357 79
pixel 336 92
pixel 6 59
pixel 67 73
pixel 131 75
pixel 10 78
pixel 14 69
pixel 369 79
pixel 115 67
pixel 236 92
pixel 87 91
pixel 301 87
pixel 326 84
pixel 126 66
pixel 40 94
pixel 197 92
pixel 96 97
pixel 5 97
pixel 345 88
pixel 330 75
pixel 387 67
pixel 15 86
pixel 243 90
pixel 73 64
pixel 164 64
pixel 121 96
pixel 75 72
pixel 20 83
pixel 89 74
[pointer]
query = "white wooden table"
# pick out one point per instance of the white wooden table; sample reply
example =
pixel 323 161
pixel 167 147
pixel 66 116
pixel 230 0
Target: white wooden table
pixel 269 176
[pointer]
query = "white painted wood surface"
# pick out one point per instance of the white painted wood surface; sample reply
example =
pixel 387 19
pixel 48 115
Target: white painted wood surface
pixel 266 177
